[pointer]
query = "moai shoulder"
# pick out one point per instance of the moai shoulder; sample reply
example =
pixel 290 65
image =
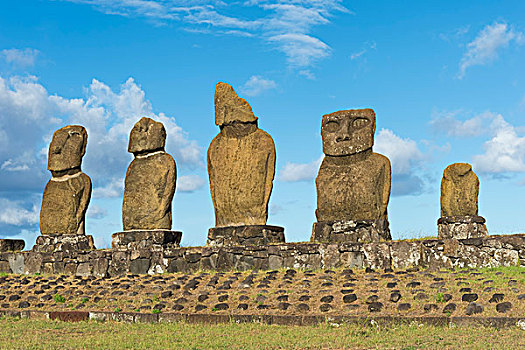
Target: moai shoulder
pixel 241 165
pixel 353 183
pixel 150 179
pixel 67 195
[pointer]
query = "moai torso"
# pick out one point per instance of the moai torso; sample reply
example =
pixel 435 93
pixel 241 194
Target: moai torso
pixel 353 190
pixel 241 163
pixel 150 179
pixel 353 183
pixel 459 191
pixel 67 194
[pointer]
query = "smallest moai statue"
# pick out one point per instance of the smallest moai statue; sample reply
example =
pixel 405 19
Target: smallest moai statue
pixel 459 204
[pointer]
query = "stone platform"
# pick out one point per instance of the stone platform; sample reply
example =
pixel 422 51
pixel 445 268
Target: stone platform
pixel 63 243
pixel 245 235
pixel 146 239
pixel 461 227
pixel 490 251
pixel 364 231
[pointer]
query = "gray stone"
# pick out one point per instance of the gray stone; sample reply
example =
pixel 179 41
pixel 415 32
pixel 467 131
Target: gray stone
pixel 461 227
pixel 139 266
pixel 245 235
pixel 67 243
pixel 350 231
pixel 11 245
pixel 17 263
pixel 146 239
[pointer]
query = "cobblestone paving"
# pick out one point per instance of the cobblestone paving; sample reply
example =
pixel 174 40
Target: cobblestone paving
pixel 338 292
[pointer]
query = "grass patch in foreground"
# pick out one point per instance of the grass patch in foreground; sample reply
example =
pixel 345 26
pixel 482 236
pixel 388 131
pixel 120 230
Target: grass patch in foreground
pixel 44 334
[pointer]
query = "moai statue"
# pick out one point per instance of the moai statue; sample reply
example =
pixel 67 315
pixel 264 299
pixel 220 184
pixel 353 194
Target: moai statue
pixel 459 204
pixel 241 167
pixel 149 188
pixel 353 184
pixel 67 194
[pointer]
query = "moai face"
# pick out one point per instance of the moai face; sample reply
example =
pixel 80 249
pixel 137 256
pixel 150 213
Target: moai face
pixel 147 135
pixel 67 148
pixel 230 108
pixel 348 132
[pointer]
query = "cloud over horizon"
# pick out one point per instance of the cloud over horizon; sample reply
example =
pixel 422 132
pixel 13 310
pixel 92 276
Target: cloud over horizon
pixel 485 47
pixel 285 24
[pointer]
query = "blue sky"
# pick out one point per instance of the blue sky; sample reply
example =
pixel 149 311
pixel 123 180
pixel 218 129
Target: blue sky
pixel 446 80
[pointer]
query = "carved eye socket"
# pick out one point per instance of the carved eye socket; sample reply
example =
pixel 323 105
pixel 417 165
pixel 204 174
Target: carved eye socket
pixel 331 126
pixel 74 133
pixel 360 122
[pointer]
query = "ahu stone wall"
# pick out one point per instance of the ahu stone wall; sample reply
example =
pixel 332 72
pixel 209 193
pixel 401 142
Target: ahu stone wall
pixel 490 251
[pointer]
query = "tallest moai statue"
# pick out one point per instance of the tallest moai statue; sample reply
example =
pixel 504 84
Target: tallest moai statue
pixel 241 167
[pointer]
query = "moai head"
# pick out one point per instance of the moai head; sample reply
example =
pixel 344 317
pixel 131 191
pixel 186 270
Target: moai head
pixel 67 148
pixel 147 135
pixel 230 108
pixel 457 171
pixel 348 132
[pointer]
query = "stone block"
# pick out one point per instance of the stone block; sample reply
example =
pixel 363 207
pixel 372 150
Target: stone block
pixel 405 254
pixel 69 244
pixel 17 263
pixel 245 235
pixel 11 245
pixel 363 231
pixel 146 239
pixel 461 227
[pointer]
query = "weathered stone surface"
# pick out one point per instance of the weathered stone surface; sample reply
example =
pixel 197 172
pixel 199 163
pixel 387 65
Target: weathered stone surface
pixel 63 243
pixel 350 231
pixel 150 179
pixel 67 194
pixel 245 235
pixel 491 251
pixel 142 239
pixel 11 245
pixel 353 183
pixel 461 227
pixel 459 191
pixel 241 163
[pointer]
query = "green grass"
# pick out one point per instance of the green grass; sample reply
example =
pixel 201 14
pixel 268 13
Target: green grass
pixel 44 334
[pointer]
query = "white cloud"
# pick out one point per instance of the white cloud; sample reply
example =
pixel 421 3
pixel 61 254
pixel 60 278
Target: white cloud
pixel 294 172
pixel 360 53
pixel 285 23
pixel 484 48
pixel 448 123
pixel 96 212
pixel 13 213
pixel 504 152
pixel 20 58
pixel 190 183
pixel 29 115
pixel 402 152
pixel 257 85
pixel 301 50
